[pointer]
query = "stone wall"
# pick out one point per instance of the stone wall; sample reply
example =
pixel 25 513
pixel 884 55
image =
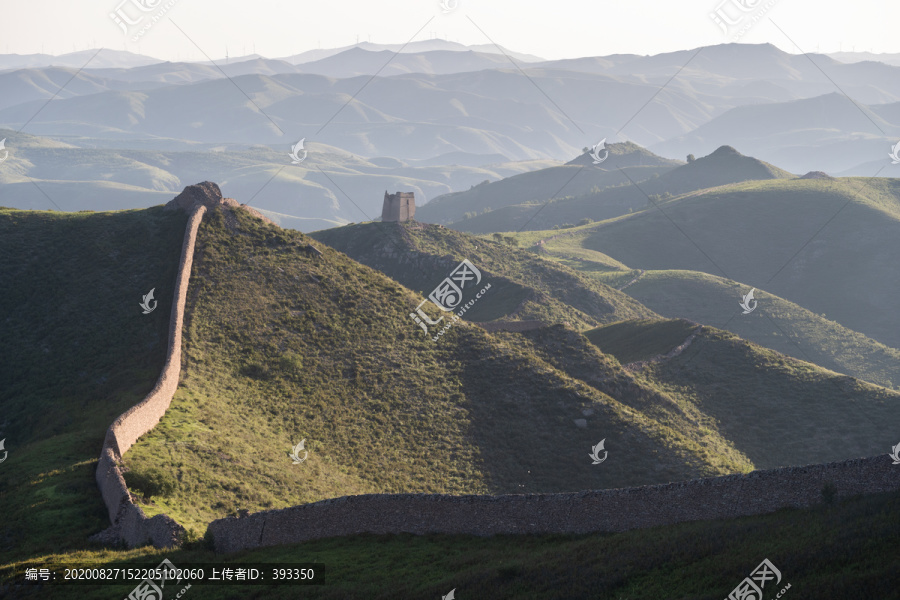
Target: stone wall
pixel 129 524
pixel 582 512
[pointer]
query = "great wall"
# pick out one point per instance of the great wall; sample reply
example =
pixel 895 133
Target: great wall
pixel 612 510
pixel 608 510
pixel 129 523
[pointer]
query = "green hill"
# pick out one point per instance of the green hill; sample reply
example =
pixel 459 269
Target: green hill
pixel 831 343
pixel 830 246
pixel 724 166
pixel 785 327
pixel 777 410
pixel 777 323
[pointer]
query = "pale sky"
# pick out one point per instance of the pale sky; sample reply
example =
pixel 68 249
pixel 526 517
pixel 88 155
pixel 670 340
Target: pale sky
pixel 551 29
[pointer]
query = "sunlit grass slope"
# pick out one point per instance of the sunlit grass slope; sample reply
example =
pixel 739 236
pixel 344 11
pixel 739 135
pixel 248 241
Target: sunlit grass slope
pixel 281 346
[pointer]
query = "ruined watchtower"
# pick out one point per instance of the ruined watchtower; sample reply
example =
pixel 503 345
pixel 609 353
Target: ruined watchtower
pixel 398 207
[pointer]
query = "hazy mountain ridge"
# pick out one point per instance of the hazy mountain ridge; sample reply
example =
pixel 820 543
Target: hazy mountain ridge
pixel 718 78
pixel 753 97
pixel 542 185
pixel 636 190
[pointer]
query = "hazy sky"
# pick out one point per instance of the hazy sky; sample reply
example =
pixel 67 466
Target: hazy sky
pixel 551 29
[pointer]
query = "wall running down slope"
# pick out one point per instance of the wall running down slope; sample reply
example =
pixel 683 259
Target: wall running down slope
pixel 129 524
pixel 755 493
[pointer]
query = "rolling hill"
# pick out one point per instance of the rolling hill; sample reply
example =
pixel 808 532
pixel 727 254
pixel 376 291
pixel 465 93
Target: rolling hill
pixel 826 245
pixel 784 417
pixel 785 327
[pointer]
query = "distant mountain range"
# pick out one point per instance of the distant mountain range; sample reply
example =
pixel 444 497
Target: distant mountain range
pixel 439 118
pixel 121 59
pixel 329 188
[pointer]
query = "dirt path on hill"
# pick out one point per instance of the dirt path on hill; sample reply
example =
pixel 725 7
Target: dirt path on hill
pixel 633 281
pixel 640 364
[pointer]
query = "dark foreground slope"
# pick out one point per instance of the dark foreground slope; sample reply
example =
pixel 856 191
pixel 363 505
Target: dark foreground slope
pixel 76 352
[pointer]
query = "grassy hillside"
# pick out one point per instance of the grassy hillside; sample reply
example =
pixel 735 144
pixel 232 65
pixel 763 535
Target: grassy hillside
pixel 777 410
pixel 281 347
pixel 524 286
pixel 829 552
pixel 77 352
pixel 631 341
pixel 724 166
pixel 757 233
pixel 777 323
